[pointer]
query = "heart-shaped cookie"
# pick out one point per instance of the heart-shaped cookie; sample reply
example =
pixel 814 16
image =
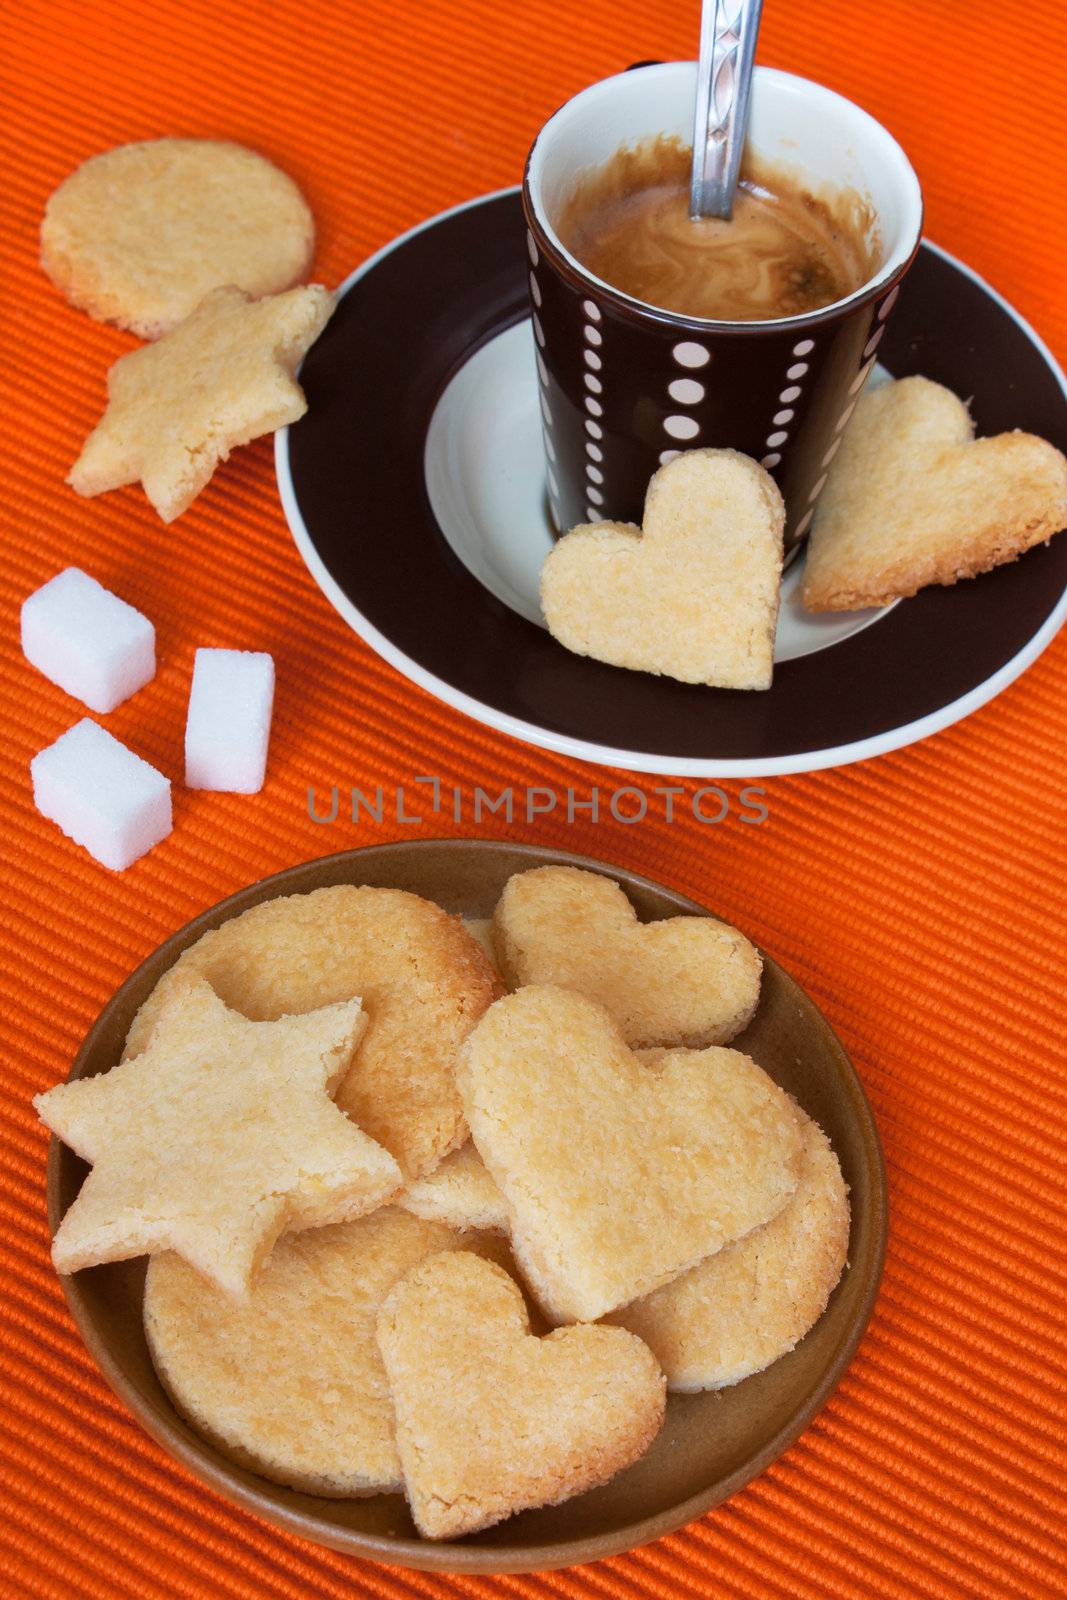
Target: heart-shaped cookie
pixel 913 498
pixel 750 1303
pixel 695 595
pixel 491 1420
pixel 682 981
pixel 618 1174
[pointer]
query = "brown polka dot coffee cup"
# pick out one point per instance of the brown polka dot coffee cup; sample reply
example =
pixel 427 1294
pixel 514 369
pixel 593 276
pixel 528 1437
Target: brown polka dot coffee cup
pixel 624 385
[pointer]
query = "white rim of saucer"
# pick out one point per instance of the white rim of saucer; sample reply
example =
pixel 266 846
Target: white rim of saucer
pixel 639 760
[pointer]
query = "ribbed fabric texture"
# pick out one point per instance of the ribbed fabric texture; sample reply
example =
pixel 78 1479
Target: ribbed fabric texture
pixel 918 897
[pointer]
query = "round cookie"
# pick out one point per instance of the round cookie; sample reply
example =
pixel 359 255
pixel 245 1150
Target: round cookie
pixel 423 980
pixel 140 234
pixel 743 1308
pixel 289 1382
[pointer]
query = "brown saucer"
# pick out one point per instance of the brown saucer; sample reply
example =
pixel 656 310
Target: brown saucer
pixel 711 1444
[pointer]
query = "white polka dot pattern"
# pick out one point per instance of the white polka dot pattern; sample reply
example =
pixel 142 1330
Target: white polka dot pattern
pixel 843 420
pixel 791 391
pixel 861 377
pixel 687 391
pixel 594 475
pixel 874 341
pixel 690 354
pixel 542 375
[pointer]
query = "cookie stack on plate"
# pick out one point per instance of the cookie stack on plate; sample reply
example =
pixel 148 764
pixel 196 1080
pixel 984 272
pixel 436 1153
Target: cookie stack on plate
pixel 449 1207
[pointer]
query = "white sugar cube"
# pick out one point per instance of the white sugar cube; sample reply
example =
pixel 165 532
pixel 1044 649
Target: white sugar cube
pixel 87 640
pixel 228 726
pixel 102 795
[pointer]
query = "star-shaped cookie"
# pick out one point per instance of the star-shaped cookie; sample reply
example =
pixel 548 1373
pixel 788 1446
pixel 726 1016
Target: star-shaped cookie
pixel 216 1138
pixel 178 407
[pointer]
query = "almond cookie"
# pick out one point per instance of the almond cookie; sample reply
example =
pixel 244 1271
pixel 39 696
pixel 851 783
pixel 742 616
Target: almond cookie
pixel 481 928
pixel 913 498
pixel 289 1382
pixel 214 1139
pixel 423 980
pixel 684 980
pixel 619 1174
pixel 140 234
pixel 491 1420
pixel 693 596
pixel 749 1304
pixel 459 1192
pixel 222 377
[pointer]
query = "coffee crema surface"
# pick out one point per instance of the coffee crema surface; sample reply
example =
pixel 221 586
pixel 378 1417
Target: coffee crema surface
pixel 785 251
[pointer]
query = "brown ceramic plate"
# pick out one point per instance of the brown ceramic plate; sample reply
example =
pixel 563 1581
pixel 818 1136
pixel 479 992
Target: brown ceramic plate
pixel 414 487
pixel 711 1444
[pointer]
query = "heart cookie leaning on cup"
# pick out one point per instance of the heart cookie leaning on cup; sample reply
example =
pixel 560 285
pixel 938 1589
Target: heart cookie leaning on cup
pixel 491 1420
pixel 913 499
pixel 694 595
pixel 618 1174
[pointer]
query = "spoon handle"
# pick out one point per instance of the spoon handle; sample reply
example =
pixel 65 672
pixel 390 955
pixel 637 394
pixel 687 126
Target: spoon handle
pixel 728 30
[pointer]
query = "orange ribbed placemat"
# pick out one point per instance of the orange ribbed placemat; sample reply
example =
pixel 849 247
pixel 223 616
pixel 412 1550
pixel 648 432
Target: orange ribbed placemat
pixel 917 896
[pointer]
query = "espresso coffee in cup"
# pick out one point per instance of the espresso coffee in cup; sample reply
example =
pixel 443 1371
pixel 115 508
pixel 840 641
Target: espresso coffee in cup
pixel 759 337
pixel 786 249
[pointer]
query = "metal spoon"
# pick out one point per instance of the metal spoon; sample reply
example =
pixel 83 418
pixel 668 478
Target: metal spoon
pixel 728 30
